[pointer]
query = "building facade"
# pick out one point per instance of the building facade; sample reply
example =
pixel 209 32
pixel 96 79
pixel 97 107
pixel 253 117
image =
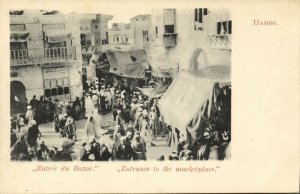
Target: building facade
pixel 94 40
pixel 45 55
pixel 141 25
pixel 189 38
pixel 121 36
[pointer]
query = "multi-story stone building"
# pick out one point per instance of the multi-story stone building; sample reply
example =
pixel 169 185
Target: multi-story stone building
pixel 45 55
pixel 94 40
pixel 121 36
pixel 141 25
pixel 189 38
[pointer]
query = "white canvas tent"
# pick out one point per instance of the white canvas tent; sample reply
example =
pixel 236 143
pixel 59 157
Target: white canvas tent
pixel 192 95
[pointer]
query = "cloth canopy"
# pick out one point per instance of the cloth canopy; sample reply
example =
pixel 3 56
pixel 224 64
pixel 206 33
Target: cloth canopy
pixel 154 92
pixel 190 99
pixel 19 36
pixel 56 36
pixel 128 64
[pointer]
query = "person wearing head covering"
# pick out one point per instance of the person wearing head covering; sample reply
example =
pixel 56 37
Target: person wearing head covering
pixel 112 91
pixel 124 151
pixel 125 113
pixel 224 142
pixel 139 147
pixel 42 153
pixel 86 156
pixel 70 129
pixel 153 121
pixel 137 116
pixel 89 106
pixel 34 102
pixel 90 127
pixel 29 115
pixel 120 121
pixel 40 112
pixel 61 124
pixel 102 100
pixel 23 130
pixel 108 99
pixel 51 106
pixel 144 127
pixel 33 135
pixel 204 145
pixel 64 151
pixel 76 107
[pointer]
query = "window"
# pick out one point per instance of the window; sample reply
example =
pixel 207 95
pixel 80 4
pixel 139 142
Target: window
pixel 117 39
pixel 156 30
pixel 219 27
pixel 106 33
pixel 169 20
pixel 56 49
pixel 104 42
pixel 17 27
pixel 224 24
pixel 54 87
pixel 229 27
pixel 47 84
pixel 60 82
pixel 53 84
pixel 66 90
pixel 96 27
pixel 199 18
pixel 169 29
pixel 53 91
pixel 224 27
pixel 147 38
pixel 82 40
pixel 81 27
pixel 126 39
pixel 18 50
pixel 87 28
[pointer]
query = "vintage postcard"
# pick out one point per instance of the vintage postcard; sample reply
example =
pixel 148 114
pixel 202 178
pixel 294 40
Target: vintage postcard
pixel 149 96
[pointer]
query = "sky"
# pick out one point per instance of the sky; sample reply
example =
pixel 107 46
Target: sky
pixel 120 15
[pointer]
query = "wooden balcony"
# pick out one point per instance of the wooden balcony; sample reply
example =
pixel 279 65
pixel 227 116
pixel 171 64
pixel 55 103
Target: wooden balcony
pixel 42 56
pixel 169 39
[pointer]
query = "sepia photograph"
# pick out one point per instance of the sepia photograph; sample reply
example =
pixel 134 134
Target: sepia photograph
pixel 88 87
pixel 131 96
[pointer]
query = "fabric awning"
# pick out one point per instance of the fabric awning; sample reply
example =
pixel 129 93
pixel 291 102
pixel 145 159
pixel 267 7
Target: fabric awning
pixel 154 92
pixel 187 94
pixel 128 64
pixel 19 36
pixel 56 36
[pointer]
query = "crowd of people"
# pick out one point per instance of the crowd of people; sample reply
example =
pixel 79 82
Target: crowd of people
pixel 136 123
pixel 137 120
pixel 26 139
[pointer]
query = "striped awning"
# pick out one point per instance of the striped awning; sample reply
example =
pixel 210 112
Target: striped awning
pixel 56 36
pixel 19 36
